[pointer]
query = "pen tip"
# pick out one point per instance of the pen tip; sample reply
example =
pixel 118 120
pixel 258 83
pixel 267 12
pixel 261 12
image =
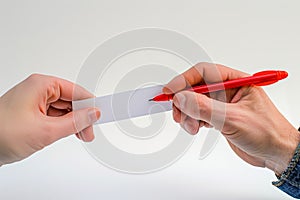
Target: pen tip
pixel 150 100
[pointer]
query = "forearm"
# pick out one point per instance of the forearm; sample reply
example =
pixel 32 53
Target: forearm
pixel 286 147
pixel 289 179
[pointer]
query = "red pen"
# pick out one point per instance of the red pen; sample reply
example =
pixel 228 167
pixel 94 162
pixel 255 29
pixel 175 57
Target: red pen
pixel 259 79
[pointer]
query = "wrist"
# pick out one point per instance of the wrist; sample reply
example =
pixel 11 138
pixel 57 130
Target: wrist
pixel 284 150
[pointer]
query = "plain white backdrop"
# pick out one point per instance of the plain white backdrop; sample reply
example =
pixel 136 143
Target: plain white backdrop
pixel 55 37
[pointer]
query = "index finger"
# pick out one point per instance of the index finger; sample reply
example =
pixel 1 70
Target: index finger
pixel 53 88
pixel 200 74
pixel 70 91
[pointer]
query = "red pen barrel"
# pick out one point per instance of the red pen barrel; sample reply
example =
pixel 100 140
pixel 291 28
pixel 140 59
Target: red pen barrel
pixel 258 79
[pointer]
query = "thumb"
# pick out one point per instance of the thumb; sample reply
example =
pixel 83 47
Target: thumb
pixel 73 122
pixel 201 107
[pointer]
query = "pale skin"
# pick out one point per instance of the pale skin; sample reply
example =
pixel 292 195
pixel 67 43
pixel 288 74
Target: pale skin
pixel 37 112
pixel 254 128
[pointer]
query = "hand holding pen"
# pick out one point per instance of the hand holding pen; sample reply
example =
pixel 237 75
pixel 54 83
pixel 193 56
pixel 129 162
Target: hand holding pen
pixel 259 79
pixel 246 117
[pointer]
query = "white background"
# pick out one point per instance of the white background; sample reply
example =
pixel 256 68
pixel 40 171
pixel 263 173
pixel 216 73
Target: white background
pixel 55 37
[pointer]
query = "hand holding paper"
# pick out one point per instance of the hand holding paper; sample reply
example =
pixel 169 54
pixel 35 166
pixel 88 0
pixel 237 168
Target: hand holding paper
pixel 37 112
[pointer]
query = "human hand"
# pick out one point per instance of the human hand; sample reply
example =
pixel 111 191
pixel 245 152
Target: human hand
pixel 254 128
pixel 37 112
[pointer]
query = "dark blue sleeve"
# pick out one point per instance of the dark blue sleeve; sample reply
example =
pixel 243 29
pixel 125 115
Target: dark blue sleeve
pixel 289 180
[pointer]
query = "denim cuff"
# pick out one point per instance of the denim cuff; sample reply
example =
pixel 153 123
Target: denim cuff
pixel 289 180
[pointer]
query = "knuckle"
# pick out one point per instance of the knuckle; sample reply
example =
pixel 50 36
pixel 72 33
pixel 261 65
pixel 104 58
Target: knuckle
pixel 75 124
pixel 34 76
pixel 201 66
pixel 202 107
pixel 34 79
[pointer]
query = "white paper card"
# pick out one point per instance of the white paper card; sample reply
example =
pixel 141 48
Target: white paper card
pixel 125 105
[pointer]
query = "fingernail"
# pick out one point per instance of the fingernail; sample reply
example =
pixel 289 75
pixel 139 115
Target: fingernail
pixel 93 115
pixel 180 100
pixel 166 90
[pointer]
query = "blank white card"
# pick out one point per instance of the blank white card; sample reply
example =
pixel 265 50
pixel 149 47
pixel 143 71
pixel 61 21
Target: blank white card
pixel 125 105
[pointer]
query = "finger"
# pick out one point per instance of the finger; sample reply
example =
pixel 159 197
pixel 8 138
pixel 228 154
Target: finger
pixel 53 112
pixel 62 105
pixel 188 124
pixel 71 91
pixel 202 73
pixel 191 125
pixel 87 135
pixel 200 107
pixel 73 122
pixel 176 84
pixel 177 115
pixel 57 88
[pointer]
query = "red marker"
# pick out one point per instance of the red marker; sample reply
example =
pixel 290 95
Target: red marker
pixel 259 79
